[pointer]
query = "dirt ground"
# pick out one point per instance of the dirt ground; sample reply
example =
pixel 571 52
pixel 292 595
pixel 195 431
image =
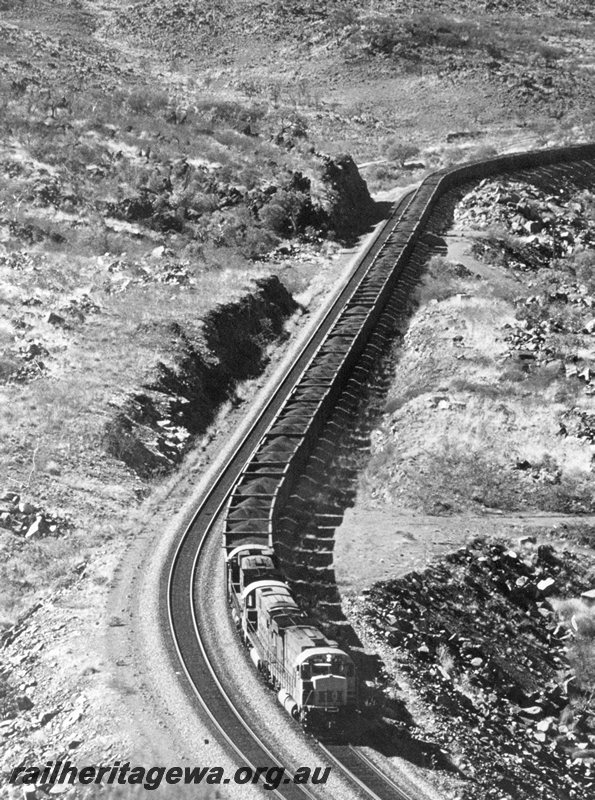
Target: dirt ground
pixel 380 544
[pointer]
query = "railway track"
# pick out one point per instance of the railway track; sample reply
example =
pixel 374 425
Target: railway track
pixel 314 380
pixel 365 774
pixel 186 617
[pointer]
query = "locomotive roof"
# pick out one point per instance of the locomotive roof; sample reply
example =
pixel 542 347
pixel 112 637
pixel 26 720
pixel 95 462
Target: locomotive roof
pixel 277 599
pixel 268 583
pixel 307 637
pixel 257 562
pixel 320 651
pixel 285 618
pixel 254 546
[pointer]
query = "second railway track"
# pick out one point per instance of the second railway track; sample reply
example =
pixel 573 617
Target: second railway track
pixel 360 303
pixel 366 775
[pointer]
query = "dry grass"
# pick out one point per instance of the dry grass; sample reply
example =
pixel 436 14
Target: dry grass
pixel 459 418
pixel 67 168
pixel 53 425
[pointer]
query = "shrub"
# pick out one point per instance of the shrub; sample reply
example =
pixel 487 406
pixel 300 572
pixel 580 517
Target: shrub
pixel 287 212
pixel 549 53
pixel 382 34
pixel 483 151
pixel 147 100
pixel 439 282
pixel 382 175
pixel 257 242
pixel 222 113
pixel 452 155
pixel 193 199
pixel 401 151
pixel 345 16
pixel 587 199
pixel 584 267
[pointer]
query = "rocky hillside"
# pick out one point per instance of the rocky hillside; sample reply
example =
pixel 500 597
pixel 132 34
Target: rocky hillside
pixel 446 76
pixel 498 664
pixel 505 322
pixel 134 203
pixel 157 425
pixel 154 231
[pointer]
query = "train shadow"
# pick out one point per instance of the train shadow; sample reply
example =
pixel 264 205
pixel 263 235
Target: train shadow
pixel 305 539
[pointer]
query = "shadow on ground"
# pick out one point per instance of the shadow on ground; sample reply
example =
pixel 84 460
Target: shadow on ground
pixel 327 488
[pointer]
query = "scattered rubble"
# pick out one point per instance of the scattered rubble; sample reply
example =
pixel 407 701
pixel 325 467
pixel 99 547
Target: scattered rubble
pixel 477 638
pixel 543 236
pixel 39 718
pixel 549 226
pixel 26 520
pixel 578 423
pixel 162 267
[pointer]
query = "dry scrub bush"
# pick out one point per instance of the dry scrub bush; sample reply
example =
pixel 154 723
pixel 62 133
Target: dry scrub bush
pixel 453 155
pixel 583 263
pixel 147 100
pixel 439 282
pixel 482 152
pixel 399 36
pixel 580 618
pixel 400 151
pixel 384 176
pixel 549 53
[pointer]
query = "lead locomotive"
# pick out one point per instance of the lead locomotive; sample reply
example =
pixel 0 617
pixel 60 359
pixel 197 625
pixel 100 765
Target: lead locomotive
pixel 315 679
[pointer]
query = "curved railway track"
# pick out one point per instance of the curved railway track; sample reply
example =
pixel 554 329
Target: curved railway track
pixel 359 303
pixel 363 773
pixel 186 617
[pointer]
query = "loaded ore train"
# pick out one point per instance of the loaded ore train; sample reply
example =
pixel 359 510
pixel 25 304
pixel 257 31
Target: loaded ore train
pixel 316 680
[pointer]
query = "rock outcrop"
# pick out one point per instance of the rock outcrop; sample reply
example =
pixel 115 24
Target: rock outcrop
pixel 154 429
pixel 344 196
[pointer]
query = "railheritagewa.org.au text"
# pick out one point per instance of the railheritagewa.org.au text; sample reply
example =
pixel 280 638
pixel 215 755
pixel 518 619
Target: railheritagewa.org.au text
pixel 64 772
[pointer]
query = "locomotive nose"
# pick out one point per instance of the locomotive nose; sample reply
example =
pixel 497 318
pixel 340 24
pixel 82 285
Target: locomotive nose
pixel 330 690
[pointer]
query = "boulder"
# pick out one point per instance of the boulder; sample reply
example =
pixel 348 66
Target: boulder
pixel 38 528
pixel 343 194
pixel 10 497
pixel 55 319
pixel 24 703
pixel 546 586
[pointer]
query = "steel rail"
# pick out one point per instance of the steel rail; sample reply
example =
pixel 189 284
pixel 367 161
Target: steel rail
pixel 365 774
pixel 182 613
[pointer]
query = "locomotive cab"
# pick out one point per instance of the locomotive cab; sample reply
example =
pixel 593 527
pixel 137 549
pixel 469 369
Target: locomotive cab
pixel 255 603
pixel 237 556
pixel 326 682
pixel 255 568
